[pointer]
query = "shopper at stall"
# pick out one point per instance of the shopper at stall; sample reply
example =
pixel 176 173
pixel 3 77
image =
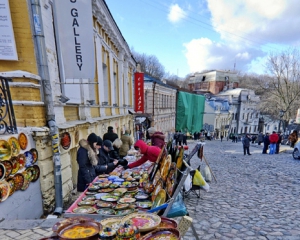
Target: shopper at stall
pixel 110 135
pixel 157 138
pixel 127 142
pixel 87 160
pixel 114 154
pixel 105 163
pixel 150 153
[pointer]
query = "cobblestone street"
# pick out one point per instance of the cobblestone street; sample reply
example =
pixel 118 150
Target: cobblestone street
pixel 255 197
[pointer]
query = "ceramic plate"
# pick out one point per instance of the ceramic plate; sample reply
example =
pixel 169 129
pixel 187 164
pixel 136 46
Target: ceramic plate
pixel 102 204
pixel 12 185
pixel 104 184
pixel 90 193
pixel 167 223
pixel 121 206
pixel 162 233
pixel 156 178
pixel 156 190
pixel 36 173
pixel 35 155
pixel 84 209
pixel 29 159
pixel 5 190
pixel 141 196
pixel 22 161
pixel 127 200
pixel 146 204
pixel 110 198
pixel 105 190
pixel 65 140
pixel 31 173
pixel 19 180
pixel 23 141
pixel 106 211
pixel 16 165
pixel 143 221
pixel 160 198
pixel 5 150
pixel 8 167
pixel 93 188
pixel 103 176
pixel 166 168
pixel 179 160
pixel 113 223
pixel 124 212
pixel 2 171
pixel 15 146
pixel 88 198
pixel 27 179
pixel 86 203
pixel 57 227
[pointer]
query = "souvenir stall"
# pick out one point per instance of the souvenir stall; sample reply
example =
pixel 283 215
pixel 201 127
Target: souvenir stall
pixel 133 201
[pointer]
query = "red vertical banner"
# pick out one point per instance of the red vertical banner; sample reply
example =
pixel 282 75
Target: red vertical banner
pixel 139 92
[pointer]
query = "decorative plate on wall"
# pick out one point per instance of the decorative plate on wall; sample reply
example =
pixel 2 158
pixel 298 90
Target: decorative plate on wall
pixel 65 140
pixel 12 185
pixel 15 146
pixel 29 159
pixel 36 173
pixel 19 180
pixel 26 180
pixel 23 141
pixel 35 155
pixel 16 165
pixel 8 167
pixel 22 161
pixel 2 171
pixel 4 189
pixel 5 150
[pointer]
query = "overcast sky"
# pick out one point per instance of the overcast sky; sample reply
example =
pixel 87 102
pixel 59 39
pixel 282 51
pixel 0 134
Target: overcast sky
pixel 194 35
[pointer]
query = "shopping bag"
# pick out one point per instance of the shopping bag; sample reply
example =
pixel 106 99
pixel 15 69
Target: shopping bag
pixel 188 183
pixel 198 180
pixel 206 173
pixel 178 208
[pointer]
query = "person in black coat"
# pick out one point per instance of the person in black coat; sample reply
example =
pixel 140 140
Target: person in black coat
pixel 246 144
pixel 105 163
pixel 87 159
pixel 114 154
pixel 110 135
pixel 278 143
pixel 180 138
pixel 266 143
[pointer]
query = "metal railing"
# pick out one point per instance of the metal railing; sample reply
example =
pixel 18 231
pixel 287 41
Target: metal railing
pixel 7 115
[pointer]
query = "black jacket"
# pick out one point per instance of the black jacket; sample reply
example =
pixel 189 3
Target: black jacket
pixel 103 161
pixel 110 135
pixel 114 154
pixel 266 139
pixel 86 159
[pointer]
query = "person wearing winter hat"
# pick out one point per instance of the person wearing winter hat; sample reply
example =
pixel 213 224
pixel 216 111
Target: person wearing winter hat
pixel 87 160
pixel 110 135
pixel 157 138
pixel 105 163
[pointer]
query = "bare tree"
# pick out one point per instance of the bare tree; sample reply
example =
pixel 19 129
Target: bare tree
pixel 149 64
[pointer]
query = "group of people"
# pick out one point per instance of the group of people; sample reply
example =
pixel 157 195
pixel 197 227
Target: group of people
pixel 180 138
pixel 97 156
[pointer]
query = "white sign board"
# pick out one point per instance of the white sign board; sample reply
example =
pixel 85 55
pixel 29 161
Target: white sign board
pixel 8 49
pixel 74 29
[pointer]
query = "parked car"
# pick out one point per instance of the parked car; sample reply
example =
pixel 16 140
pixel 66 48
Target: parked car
pixel 296 152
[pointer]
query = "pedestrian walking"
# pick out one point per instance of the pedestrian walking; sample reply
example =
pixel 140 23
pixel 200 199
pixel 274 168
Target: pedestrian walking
pixel 246 144
pixel 266 143
pixel 273 140
pixel 180 138
pixel 222 138
pixel 278 142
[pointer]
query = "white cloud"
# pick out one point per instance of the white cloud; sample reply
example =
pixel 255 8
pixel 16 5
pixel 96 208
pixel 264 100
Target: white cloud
pixel 176 13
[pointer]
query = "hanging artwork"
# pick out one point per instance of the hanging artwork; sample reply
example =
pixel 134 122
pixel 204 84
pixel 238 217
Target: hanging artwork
pixel 65 140
pixel 23 141
pixel 15 146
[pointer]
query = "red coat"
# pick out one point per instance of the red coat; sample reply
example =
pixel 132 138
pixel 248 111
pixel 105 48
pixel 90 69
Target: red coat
pixel 274 138
pixel 149 153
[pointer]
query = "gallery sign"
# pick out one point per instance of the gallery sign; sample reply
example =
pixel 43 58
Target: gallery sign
pixel 8 49
pixel 74 30
pixel 139 92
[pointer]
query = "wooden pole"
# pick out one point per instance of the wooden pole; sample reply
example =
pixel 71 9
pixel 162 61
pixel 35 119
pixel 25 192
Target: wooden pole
pixel 209 168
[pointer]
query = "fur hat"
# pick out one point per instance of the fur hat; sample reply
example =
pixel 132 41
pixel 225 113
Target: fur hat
pixel 99 141
pixel 92 138
pixel 110 128
pixel 151 130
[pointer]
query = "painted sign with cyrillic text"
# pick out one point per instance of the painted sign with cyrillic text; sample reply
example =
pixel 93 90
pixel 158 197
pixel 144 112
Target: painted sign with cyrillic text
pixel 139 92
pixel 74 30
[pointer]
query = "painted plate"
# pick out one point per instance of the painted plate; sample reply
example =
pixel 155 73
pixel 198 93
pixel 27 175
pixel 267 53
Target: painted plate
pixel 12 185
pixel 127 200
pixel 156 190
pixel 103 176
pixel 102 204
pixel 90 193
pixel 36 173
pixel 119 191
pixel 143 221
pixel 145 204
pixel 15 146
pixel 22 161
pixel 93 188
pixel 141 196
pixel 166 168
pixel 106 211
pixel 89 198
pixel 35 155
pixel 29 159
pixel 31 172
pixel 156 178
pixel 121 206
pixel 105 190
pixel 113 223
pixel 160 198
pixel 86 203
pixel 180 159
pixel 19 180
pixel 84 209
pixel 167 223
pixel 16 165
pixel 162 233
pixel 104 184
pixel 5 150
pixel 2 171
pixel 23 141
pixel 124 212
pixel 5 190
pixel 8 167
pixel 27 179
pixel 65 140
pixel 110 198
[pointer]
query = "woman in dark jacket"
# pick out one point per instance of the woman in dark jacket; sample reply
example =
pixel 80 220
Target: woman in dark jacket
pixel 87 159
pixel 114 154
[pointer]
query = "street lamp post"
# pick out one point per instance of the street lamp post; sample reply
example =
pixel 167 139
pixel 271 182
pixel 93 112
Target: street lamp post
pixel 281 113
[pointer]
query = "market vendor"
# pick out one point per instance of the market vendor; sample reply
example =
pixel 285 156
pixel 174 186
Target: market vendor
pixel 150 153
pixel 87 159
pixel 157 138
pixel 105 163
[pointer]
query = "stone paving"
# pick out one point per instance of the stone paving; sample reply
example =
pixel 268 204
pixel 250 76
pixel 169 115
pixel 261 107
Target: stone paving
pixel 255 197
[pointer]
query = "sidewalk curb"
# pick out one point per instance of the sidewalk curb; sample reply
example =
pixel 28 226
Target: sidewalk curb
pixel 28 224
